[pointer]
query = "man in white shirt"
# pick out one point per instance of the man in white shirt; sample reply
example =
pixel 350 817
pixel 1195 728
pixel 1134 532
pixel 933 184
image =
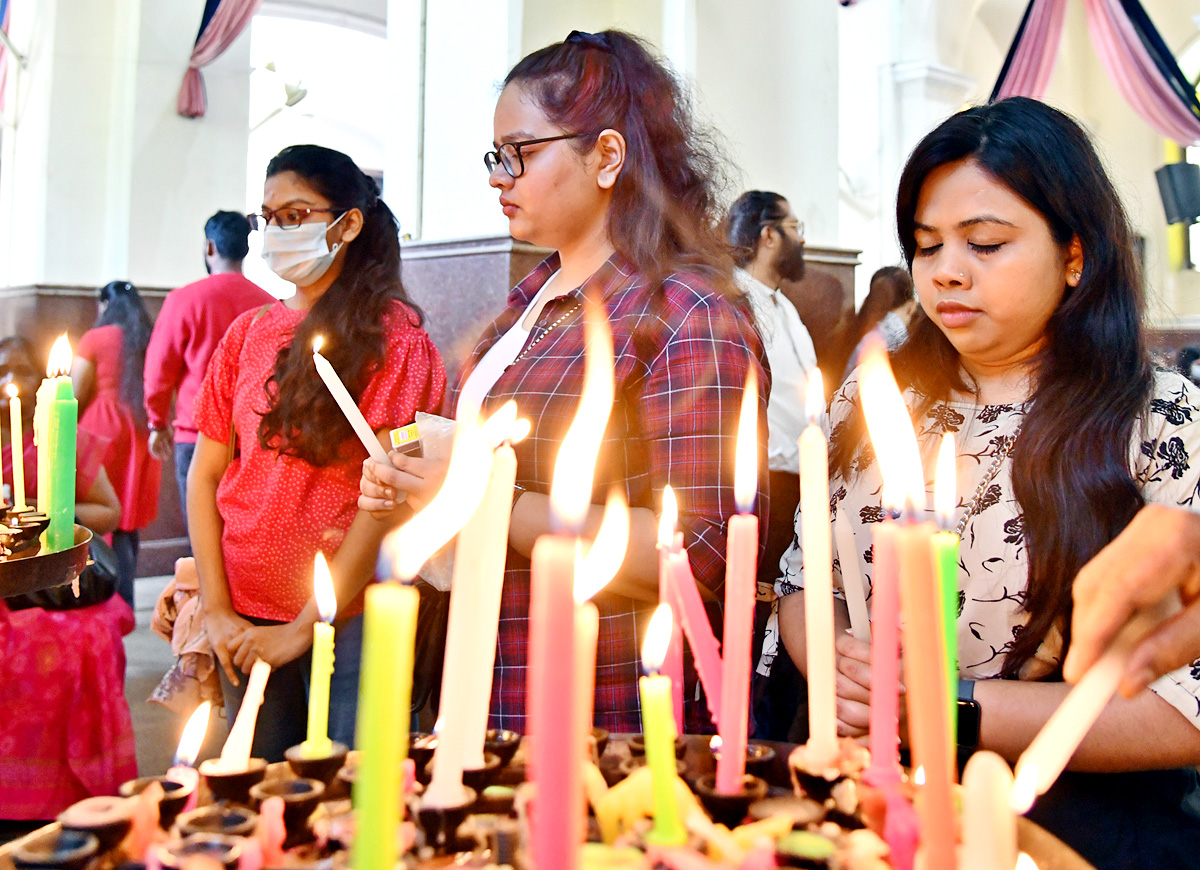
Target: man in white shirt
pixel 768 247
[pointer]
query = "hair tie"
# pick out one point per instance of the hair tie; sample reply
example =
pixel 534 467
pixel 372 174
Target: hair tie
pixel 590 40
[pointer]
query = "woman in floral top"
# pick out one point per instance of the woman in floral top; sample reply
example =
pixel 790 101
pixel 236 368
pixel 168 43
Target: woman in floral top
pixel 1029 348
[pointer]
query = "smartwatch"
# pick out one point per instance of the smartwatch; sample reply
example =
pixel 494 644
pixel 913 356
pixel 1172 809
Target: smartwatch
pixel 969 716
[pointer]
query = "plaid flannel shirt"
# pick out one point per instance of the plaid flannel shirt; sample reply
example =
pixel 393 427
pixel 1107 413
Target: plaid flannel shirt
pixel 682 354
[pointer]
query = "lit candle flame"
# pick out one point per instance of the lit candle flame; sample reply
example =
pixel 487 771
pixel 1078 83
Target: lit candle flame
pixel 413 543
pixel 60 358
pixel 575 466
pixel 658 638
pixel 1024 790
pixel 323 589
pixel 193 736
pixel 745 469
pixel 714 745
pixel 945 495
pixel 11 390
pixel 814 402
pixel 604 558
pixel 891 429
pixel 670 515
pixel 504 426
pixel 919 776
pixel 318 343
pixel 1024 862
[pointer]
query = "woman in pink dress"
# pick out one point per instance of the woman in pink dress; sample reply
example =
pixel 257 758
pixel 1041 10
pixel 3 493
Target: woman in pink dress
pixel 107 374
pixel 67 731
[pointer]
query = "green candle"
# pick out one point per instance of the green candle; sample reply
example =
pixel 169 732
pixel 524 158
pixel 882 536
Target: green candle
pixel 56 419
pixel 945 556
pixel 658 732
pixel 385 692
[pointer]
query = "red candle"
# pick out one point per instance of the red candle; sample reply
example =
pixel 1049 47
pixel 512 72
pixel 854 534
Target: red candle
pixel 741 564
pixel 670 543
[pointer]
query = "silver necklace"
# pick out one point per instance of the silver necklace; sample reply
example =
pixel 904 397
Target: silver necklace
pixel 547 331
pixel 994 469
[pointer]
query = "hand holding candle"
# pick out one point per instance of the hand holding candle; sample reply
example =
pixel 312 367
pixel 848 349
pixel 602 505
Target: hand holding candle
pixel 318 743
pixel 346 402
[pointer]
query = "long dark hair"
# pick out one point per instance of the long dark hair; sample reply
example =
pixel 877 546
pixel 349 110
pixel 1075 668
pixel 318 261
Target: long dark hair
pixel 302 418
pixel 1070 465
pixel 891 287
pixel 749 213
pixel 123 307
pixel 666 202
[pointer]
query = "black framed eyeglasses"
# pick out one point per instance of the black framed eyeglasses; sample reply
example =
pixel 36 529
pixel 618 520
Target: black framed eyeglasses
pixel 510 157
pixel 285 218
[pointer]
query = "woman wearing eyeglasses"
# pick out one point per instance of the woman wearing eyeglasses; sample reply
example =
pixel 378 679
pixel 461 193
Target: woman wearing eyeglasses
pixel 275 474
pixel 597 157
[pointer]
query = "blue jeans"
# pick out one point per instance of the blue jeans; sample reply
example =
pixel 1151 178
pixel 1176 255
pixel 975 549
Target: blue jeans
pixel 283 717
pixel 183 461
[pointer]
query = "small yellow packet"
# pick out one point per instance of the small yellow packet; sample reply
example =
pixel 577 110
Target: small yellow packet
pixel 406 439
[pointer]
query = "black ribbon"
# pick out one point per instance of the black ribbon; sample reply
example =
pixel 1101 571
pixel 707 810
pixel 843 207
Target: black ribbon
pixel 589 40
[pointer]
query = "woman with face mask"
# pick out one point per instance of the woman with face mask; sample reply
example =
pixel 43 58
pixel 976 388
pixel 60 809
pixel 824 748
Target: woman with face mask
pixel 275 475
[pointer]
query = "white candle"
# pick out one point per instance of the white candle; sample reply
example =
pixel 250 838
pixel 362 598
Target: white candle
pixel 471 631
pixel 342 396
pixel 818 576
pixel 1047 756
pixel 853 585
pixel 17 439
pixel 989 824
pixel 235 754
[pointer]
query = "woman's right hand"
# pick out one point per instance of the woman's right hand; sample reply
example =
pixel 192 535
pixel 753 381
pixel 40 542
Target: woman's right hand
pixel 418 477
pixel 222 627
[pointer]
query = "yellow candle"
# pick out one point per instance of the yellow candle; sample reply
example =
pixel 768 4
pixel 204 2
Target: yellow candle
pixel 658 730
pixel 16 436
pixel 385 695
pixel 318 743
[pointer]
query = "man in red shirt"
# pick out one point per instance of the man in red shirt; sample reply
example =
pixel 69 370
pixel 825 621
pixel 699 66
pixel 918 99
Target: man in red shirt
pixel 192 321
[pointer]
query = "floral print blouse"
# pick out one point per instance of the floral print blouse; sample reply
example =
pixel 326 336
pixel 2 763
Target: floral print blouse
pixel 992 568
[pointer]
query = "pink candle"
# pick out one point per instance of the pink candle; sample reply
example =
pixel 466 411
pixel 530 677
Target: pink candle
pixel 741 564
pixel 925 682
pixel 554 757
pixel 884 769
pixel 670 543
pixel 698 630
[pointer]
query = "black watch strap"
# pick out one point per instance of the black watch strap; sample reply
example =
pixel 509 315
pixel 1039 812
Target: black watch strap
pixel 970 715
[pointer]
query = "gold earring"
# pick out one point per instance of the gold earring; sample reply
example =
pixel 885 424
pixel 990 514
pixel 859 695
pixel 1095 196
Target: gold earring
pixel 1075 273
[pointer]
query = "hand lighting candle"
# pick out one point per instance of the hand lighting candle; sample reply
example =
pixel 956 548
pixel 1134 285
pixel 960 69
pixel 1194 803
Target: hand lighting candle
pixel 818 578
pixel 346 402
pixel 183 766
pixel 670 543
pixel 475 606
pixel 741 565
pixel 555 762
pixel 318 743
pixel 56 418
pixel 945 555
pixel 658 730
pixel 17 441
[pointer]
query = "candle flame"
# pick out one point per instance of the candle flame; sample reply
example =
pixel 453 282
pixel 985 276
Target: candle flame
pixel 1024 790
pixel 919 776
pixel 670 514
pixel 658 638
pixel 323 589
pixel 413 543
pixel 11 390
pixel 193 736
pixel 945 495
pixel 575 466
pixel 60 358
pixel 814 402
pixel 890 428
pixel 715 745
pixel 745 470
pixel 602 561
pixel 318 343
pixel 1025 862
pixel 504 426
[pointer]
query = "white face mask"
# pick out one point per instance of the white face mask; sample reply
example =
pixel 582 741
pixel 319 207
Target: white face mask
pixel 299 255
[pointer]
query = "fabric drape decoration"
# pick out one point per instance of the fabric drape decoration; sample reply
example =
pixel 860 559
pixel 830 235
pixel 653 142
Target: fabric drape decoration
pixel 1131 50
pixel 4 4
pixel 223 21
